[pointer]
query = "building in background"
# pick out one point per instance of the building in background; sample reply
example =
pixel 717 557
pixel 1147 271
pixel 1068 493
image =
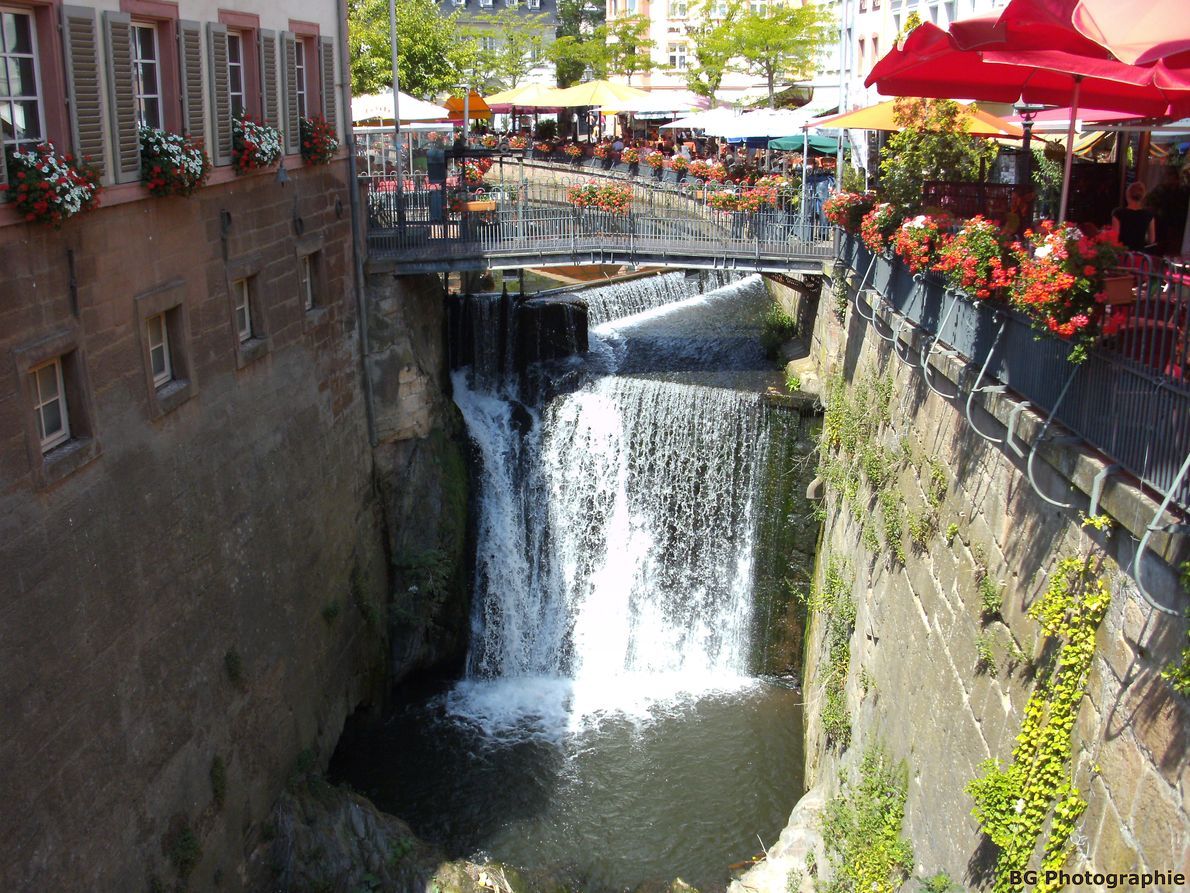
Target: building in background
pixel 524 28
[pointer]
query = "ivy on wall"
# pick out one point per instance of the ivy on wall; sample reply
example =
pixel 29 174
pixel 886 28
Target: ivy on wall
pixel 1035 794
pixel 833 602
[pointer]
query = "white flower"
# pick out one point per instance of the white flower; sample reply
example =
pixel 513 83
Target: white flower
pixel 1044 251
pixel 1019 806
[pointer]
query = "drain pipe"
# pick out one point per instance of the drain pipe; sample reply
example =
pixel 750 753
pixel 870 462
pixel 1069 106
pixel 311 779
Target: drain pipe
pixel 358 238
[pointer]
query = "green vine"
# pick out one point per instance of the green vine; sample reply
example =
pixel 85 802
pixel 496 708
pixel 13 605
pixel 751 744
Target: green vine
pixel 834 603
pixel 1014 803
pixel 839 276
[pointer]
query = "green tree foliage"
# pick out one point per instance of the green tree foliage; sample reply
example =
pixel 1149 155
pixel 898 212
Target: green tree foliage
pixel 712 44
pixel 571 54
pixel 431 55
pixel 779 42
pixel 519 43
pixel 628 49
pixel 933 144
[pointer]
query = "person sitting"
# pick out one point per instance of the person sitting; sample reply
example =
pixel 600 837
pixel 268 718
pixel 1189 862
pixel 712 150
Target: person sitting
pixel 618 145
pixel 1133 225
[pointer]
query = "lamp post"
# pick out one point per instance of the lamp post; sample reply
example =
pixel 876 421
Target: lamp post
pixel 392 36
pixel 1024 167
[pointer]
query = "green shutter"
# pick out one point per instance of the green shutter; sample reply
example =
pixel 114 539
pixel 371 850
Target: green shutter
pixel 327 70
pixel 268 78
pixel 80 46
pixel 220 92
pixel 293 130
pixel 190 73
pixel 121 96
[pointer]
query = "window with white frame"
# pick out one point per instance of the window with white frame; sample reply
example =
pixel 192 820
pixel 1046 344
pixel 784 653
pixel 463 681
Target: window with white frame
pixel 21 112
pixel 630 7
pixel 677 56
pixel 146 74
pixel 535 4
pixel 677 9
pixel 489 44
pixel 241 294
pixel 512 4
pixel 159 359
pixel 485 3
pixel 307 284
pixel 49 404
pixel 719 10
pixel 536 53
pixel 300 70
pixel 235 72
pixel 759 7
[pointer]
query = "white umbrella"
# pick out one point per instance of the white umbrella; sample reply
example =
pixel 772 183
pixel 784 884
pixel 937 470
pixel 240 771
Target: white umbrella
pixel 375 106
pixel 658 103
pixel 769 123
pixel 702 120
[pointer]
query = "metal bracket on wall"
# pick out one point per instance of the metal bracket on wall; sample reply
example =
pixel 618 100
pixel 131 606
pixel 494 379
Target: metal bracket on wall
pixel 1013 418
pixel 988 389
pixel 897 340
pixel 1037 441
pixel 1097 487
pixel 1152 528
pixel 862 284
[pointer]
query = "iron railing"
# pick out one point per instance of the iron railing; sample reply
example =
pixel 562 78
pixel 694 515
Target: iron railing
pixel 448 221
pixel 1130 399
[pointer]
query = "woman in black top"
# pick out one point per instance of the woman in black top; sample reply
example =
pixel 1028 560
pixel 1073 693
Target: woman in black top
pixel 1133 225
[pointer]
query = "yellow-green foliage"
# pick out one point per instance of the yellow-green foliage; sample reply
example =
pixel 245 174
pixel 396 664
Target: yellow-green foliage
pixel 861 828
pixel 834 604
pixel 1015 804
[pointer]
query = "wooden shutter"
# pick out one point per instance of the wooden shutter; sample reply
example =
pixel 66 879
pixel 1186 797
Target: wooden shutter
pixel 268 78
pixel 327 70
pixel 220 92
pixel 121 96
pixel 80 45
pixel 190 74
pixel 293 135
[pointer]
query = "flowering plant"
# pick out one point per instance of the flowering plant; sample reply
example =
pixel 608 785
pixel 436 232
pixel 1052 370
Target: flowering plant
pixel 1058 281
pixel 918 239
pixel 434 136
pixel 544 148
pixel 574 151
pixel 655 160
pixel 630 155
pixel 48 188
pixel 318 141
pixel 489 141
pixel 972 259
pixel 699 168
pixel 846 210
pixel 725 200
pixel 775 189
pixel 171 164
pixel 474 169
pixel 613 198
pixel 517 142
pixel 879 225
pixel 678 163
pixel 253 145
pixel 602 150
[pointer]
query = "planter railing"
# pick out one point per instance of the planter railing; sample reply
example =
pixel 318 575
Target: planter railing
pixel 1130 398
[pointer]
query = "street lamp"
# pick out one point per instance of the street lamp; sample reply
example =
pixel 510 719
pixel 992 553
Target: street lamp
pixel 1028 112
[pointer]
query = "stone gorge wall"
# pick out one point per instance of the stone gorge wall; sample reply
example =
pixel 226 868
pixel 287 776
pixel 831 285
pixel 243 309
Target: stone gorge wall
pixel 942 683
pixel 193 598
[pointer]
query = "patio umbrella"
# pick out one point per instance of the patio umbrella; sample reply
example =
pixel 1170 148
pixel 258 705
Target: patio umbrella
pixel 881 117
pixel 476 108
pixel 763 123
pixel 984 58
pixel 1135 33
pixel 657 103
pixel 702 120
pixel 826 144
pixel 526 96
pixel 603 93
pixel 379 107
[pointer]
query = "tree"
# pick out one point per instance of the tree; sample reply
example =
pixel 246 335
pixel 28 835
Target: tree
pixel 431 57
pixel 517 49
pixel 577 21
pixel 627 47
pixel 777 42
pixel 711 46
pixel 933 144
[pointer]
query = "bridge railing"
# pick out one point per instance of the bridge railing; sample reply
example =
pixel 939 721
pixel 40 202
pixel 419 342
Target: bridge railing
pixel 427 221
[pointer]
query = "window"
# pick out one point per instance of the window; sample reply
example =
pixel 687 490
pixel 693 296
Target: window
pixel 536 53
pixel 485 3
pixel 535 4
pixel 146 81
pixel 21 115
pixel 630 7
pixel 159 361
pixel 759 7
pixel 235 72
pixel 677 56
pixel 719 10
pixel 241 295
pixel 489 44
pixel 307 285
pixel 459 2
pixel 875 49
pixel 677 9
pixel 863 53
pixel 950 11
pixel 300 55
pixel 49 404
pixel 512 4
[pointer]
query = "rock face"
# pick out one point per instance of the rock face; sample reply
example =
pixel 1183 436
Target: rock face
pixel 787 863
pixel 941 677
pixel 421 473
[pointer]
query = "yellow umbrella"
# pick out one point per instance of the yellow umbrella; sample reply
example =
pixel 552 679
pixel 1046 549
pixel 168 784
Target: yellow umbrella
pixel 880 117
pixel 476 107
pixel 527 96
pixel 597 93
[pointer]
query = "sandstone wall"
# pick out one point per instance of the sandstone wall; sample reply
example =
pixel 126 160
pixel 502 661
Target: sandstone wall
pixel 916 681
pixel 192 600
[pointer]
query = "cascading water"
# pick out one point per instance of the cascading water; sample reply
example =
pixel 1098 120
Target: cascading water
pixel 608 721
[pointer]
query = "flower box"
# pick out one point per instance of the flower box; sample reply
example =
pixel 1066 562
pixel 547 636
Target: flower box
pixel 476 205
pixel 1119 289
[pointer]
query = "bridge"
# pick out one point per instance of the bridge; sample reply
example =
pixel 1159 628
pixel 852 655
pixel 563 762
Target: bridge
pixel 525 218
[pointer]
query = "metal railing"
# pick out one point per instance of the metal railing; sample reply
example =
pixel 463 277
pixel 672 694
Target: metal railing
pixel 446 221
pixel 1130 399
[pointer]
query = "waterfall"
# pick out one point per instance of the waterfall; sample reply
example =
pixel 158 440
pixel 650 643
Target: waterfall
pixel 610 302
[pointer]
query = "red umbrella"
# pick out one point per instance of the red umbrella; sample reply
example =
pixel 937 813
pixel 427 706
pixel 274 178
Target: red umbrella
pixel 990 58
pixel 1135 33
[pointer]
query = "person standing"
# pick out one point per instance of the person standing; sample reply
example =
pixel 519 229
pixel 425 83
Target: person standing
pixel 1134 224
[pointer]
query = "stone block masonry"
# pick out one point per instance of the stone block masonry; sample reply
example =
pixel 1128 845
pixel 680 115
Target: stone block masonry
pixel 197 593
pixel 944 658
